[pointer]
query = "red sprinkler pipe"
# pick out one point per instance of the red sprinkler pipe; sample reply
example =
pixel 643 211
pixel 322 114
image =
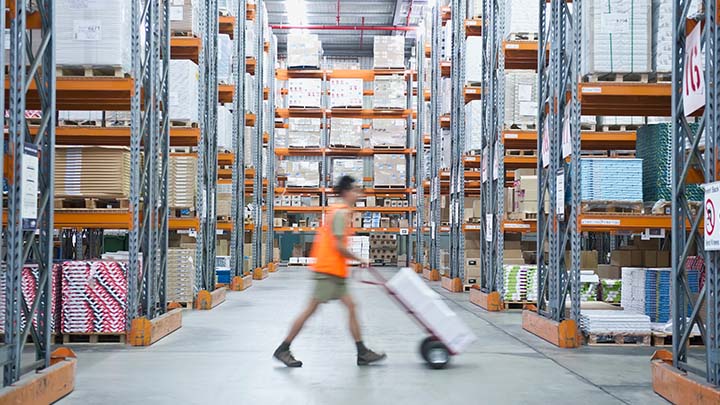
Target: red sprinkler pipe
pixel 362 32
pixel 341 27
pixel 337 18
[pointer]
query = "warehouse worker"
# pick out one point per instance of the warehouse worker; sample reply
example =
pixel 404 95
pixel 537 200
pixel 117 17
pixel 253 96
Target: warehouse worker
pixel 331 271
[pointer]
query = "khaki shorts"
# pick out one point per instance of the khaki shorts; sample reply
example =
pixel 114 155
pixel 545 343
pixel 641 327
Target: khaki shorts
pixel 329 288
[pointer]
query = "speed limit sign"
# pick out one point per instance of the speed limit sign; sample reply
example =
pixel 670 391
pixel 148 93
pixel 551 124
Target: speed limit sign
pixel 693 80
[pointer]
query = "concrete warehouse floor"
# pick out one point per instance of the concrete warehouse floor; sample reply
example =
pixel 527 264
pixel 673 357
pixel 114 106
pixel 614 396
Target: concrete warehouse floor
pixel 223 356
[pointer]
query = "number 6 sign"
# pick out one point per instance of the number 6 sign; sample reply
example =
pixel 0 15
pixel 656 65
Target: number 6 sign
pixel 694 79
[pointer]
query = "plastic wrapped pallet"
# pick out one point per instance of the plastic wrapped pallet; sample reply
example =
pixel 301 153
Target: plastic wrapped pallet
pixel 520 98
pixel 304 132
pixel 519 282
pixel 611 179
pixel 388 132
pixel 617 36
pixel 647 291
pixel 390 92
pixel 521 18
pixel 475 8
pixel 224 200
pixel 304 92
pixel 180 275
pixel 304 50
pixel 225 54
pixel 608 122
pixel 249 142
pixel 447 41
pixel 346 92
pixel 348 167
pixel 613 321
pixel 251 99
pixel 473 125
pixel 182 181
pixel 654 147
pixel 446 95
pixel 473 60
pixel 184 90
pixel 227 7
pixel 92 171
pixel 281 138
pixel 445 149
pixel 303 174
pixel 250 41
pixel 80 117
pixel 224 128
pixel 93 33
pixel 346 132
pixel 389 170
pixel 389 51
pixel 185 17
pixel 29 280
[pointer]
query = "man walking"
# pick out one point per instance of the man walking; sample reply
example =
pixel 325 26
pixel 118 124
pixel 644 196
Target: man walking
pixel 331 272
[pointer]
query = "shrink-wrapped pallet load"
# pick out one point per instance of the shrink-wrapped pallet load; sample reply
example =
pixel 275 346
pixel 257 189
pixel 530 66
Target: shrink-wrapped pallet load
pixel 224 200
pixel 346 93
pixel 185 17
pixel 473 125
pixel 389 170
pixel 93 33
pixel 225 54
pixel 182 181
pixel 184 91
pixel 346 132
pixel 180 275
pixel 224 128
pixel 390 92
pixel 306 93
pixel 92 172
pixel 389 51
pixel 521 105
pixel 473 60
pixel 348 167
pixel 388 132
pixel 304 51
pixel 521 19
pixel 303 174
pixel 304 132
pixel 611 179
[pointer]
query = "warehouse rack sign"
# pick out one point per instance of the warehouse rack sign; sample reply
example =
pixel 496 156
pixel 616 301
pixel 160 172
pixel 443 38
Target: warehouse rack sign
pixel 710 214
pixel 29 184
pixel 694 80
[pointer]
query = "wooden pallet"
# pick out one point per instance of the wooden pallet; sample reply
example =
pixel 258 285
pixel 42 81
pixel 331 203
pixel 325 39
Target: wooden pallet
pixel 180 304
pixel 517 304
pixel 618 339
pixel 588 127
pixel 521 126
pixel 618 77
pixel 183 124
pixel 90 71
pixel 182 34
pixel 305 147
pixel 80 123
pixel 91 203
pixel 663 77
pixel 622 154
pixel 661 339
pixel 341 146
pixel 93 338
pixel 523 216
pixel 594 153
pixel 523 36
pixel 520 152
pixel 612 206
pixel 388 147
pixel 665 208
pixel 347 107
pixel 619 128
pixel 396 187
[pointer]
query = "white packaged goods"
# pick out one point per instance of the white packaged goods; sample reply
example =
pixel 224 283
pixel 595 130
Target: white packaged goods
pixel 228 7
pixel 249 142
pixel 303 174
pixel 613 321
pixel 359 246
pixel 346 132
pixel 80 116
pixel 224 128
pixel 390 92
pixel 184 86
pixel 617 36
pixel 610 121
pixel 93 32
pixel 250 40
pixel 225 53
pixel 182 181
pixel 304 92
pixel 346 92
pixel 180 274
pixel 389 51
pixel 445 145
pixel 473 60
pixel 446 97
pixel 281 138
pixel 389 170
pixel 348 167
pixel 662 35
pixel 185 16
pixel 388 132
pixel 476 8
pixel 446 41
pixel 473 125
pixel 520 98
pixel 304 50
pixel 431 309
pixel 224 200
pixel 521 17
pixel 250 91
pixel 304 132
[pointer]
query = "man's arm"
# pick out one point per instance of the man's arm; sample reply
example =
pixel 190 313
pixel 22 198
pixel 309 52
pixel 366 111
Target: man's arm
pixel 338 227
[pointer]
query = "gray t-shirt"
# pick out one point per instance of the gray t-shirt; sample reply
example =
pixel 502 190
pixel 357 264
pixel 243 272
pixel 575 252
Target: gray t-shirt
pixel 339 222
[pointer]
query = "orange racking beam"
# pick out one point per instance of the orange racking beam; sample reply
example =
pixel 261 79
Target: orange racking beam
pixel 626 98
pixel 116 136
pixel 620 140
pixel 185 48
pixel 76 93
pixel 521 54
pixel 227 25
pixel 473 27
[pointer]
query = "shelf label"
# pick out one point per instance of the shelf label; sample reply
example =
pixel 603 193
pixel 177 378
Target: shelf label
pixel 473 227
pixel 488 227
pixel 512 46
pixel 512 225
pixel 560 194
pixel 546 144
pixel 404 231
pixel 511 136
pixel 471 91
pixel 591 90
pixel 484 165
pixel 604 222
pixel 694 80
pixel 473 22
pixel 29 187
pixel 496 162
pixel 712 202
pixel 87 30
pixel 566 135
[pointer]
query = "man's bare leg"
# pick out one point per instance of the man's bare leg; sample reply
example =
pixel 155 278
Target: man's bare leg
pixel 283 352
pixel 365 356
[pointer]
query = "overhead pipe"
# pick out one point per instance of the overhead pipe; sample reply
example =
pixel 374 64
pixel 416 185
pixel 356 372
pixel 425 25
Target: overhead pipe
pixel 407 19
pixel 337 18
pixel 342 27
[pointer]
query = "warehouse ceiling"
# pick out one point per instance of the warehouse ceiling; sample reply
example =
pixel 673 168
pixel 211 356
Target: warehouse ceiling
pixel 355 13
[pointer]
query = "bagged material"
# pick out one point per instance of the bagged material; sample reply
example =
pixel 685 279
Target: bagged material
pixel 473 125
pixel 303 132
pixel 611 179
pixel 226 52
pixel 389 51
pixel 304 92
pixel 386 132
pixel 390 92
pixel 617 36
pixel 389 170
pixel 521 17
pixel 473 60
pixel 304 50
pixel 184 90
pixel 182 178
pixel 92 172
pixel 348 167
pixel 520 98
pixel 93 32
pixel 185 17
pixel 346 132
pixel 346 92
pixel 611 291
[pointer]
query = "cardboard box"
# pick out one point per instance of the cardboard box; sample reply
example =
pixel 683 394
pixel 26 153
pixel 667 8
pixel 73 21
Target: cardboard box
pixel 637 257
pixel 403 223
pixel 663 258
pixel 472 271
pixel 357 219
pixel 370 201
pixel 650 258
pixel 621 258
pixel 385 222
pixel 608 272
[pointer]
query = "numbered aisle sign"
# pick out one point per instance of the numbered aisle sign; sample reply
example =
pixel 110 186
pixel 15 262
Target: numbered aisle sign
pixel 546 145
pixel 694 80
pixel 710 216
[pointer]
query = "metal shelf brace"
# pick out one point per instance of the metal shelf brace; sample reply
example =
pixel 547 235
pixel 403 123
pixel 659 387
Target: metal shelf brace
pixel 435 134
pixel 457 124
pixel 237 238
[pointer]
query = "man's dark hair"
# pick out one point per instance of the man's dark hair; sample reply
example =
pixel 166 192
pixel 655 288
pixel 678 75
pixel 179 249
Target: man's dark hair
pixel 346 183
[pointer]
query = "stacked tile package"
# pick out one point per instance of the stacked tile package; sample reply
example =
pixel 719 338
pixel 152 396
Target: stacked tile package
pixel 185 16
pixel 617 36
pixel 30 277
pixel 346 132
pixel 473 125
pixel 611 179
pixel 445 149
pixel 346 92
pixel 476 8
pixel 184 90
pixel 304 93
pixel 228 7
pixel 519 282
pixel 654 147
pixel 281 138
pixel 662 35
pixel 647 291
pixel 304 51
pixel 390 92
pixel 389 170
pixel 520 98
pixel 92 171
pixel 182 180
pixel 303 132
pixel 93 33
pixel 225 55
pixel 473 60
pixel 389 51
pixel 180 275
pixel 611 321
pixel 446 98
pixel 521 17
pixel 224 200
pixel 348 167
pixel 388 132
pixel 224 128
pixel 303 174
pixel 94 296
pixel 446 41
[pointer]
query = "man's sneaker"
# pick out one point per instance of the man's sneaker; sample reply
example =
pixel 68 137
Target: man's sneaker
pixel 287 358
pixel 369 357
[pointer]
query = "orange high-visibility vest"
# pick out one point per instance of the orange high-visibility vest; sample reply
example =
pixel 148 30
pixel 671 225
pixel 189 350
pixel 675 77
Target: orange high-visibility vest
pixel 328 259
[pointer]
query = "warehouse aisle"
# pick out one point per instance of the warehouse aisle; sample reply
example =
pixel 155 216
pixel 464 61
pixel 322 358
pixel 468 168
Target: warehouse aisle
pixel 224 357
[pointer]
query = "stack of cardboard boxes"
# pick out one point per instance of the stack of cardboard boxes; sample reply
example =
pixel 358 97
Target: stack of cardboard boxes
pixel 384 249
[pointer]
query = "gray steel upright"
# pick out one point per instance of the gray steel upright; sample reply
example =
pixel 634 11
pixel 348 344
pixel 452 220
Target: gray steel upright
pixel 237 239
pixel 687 153
pixel 435 134
pixel 558 229
pixel 271 159
pixel 420 151
pixel 30 221
pixel 257 150
pixel 457 125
